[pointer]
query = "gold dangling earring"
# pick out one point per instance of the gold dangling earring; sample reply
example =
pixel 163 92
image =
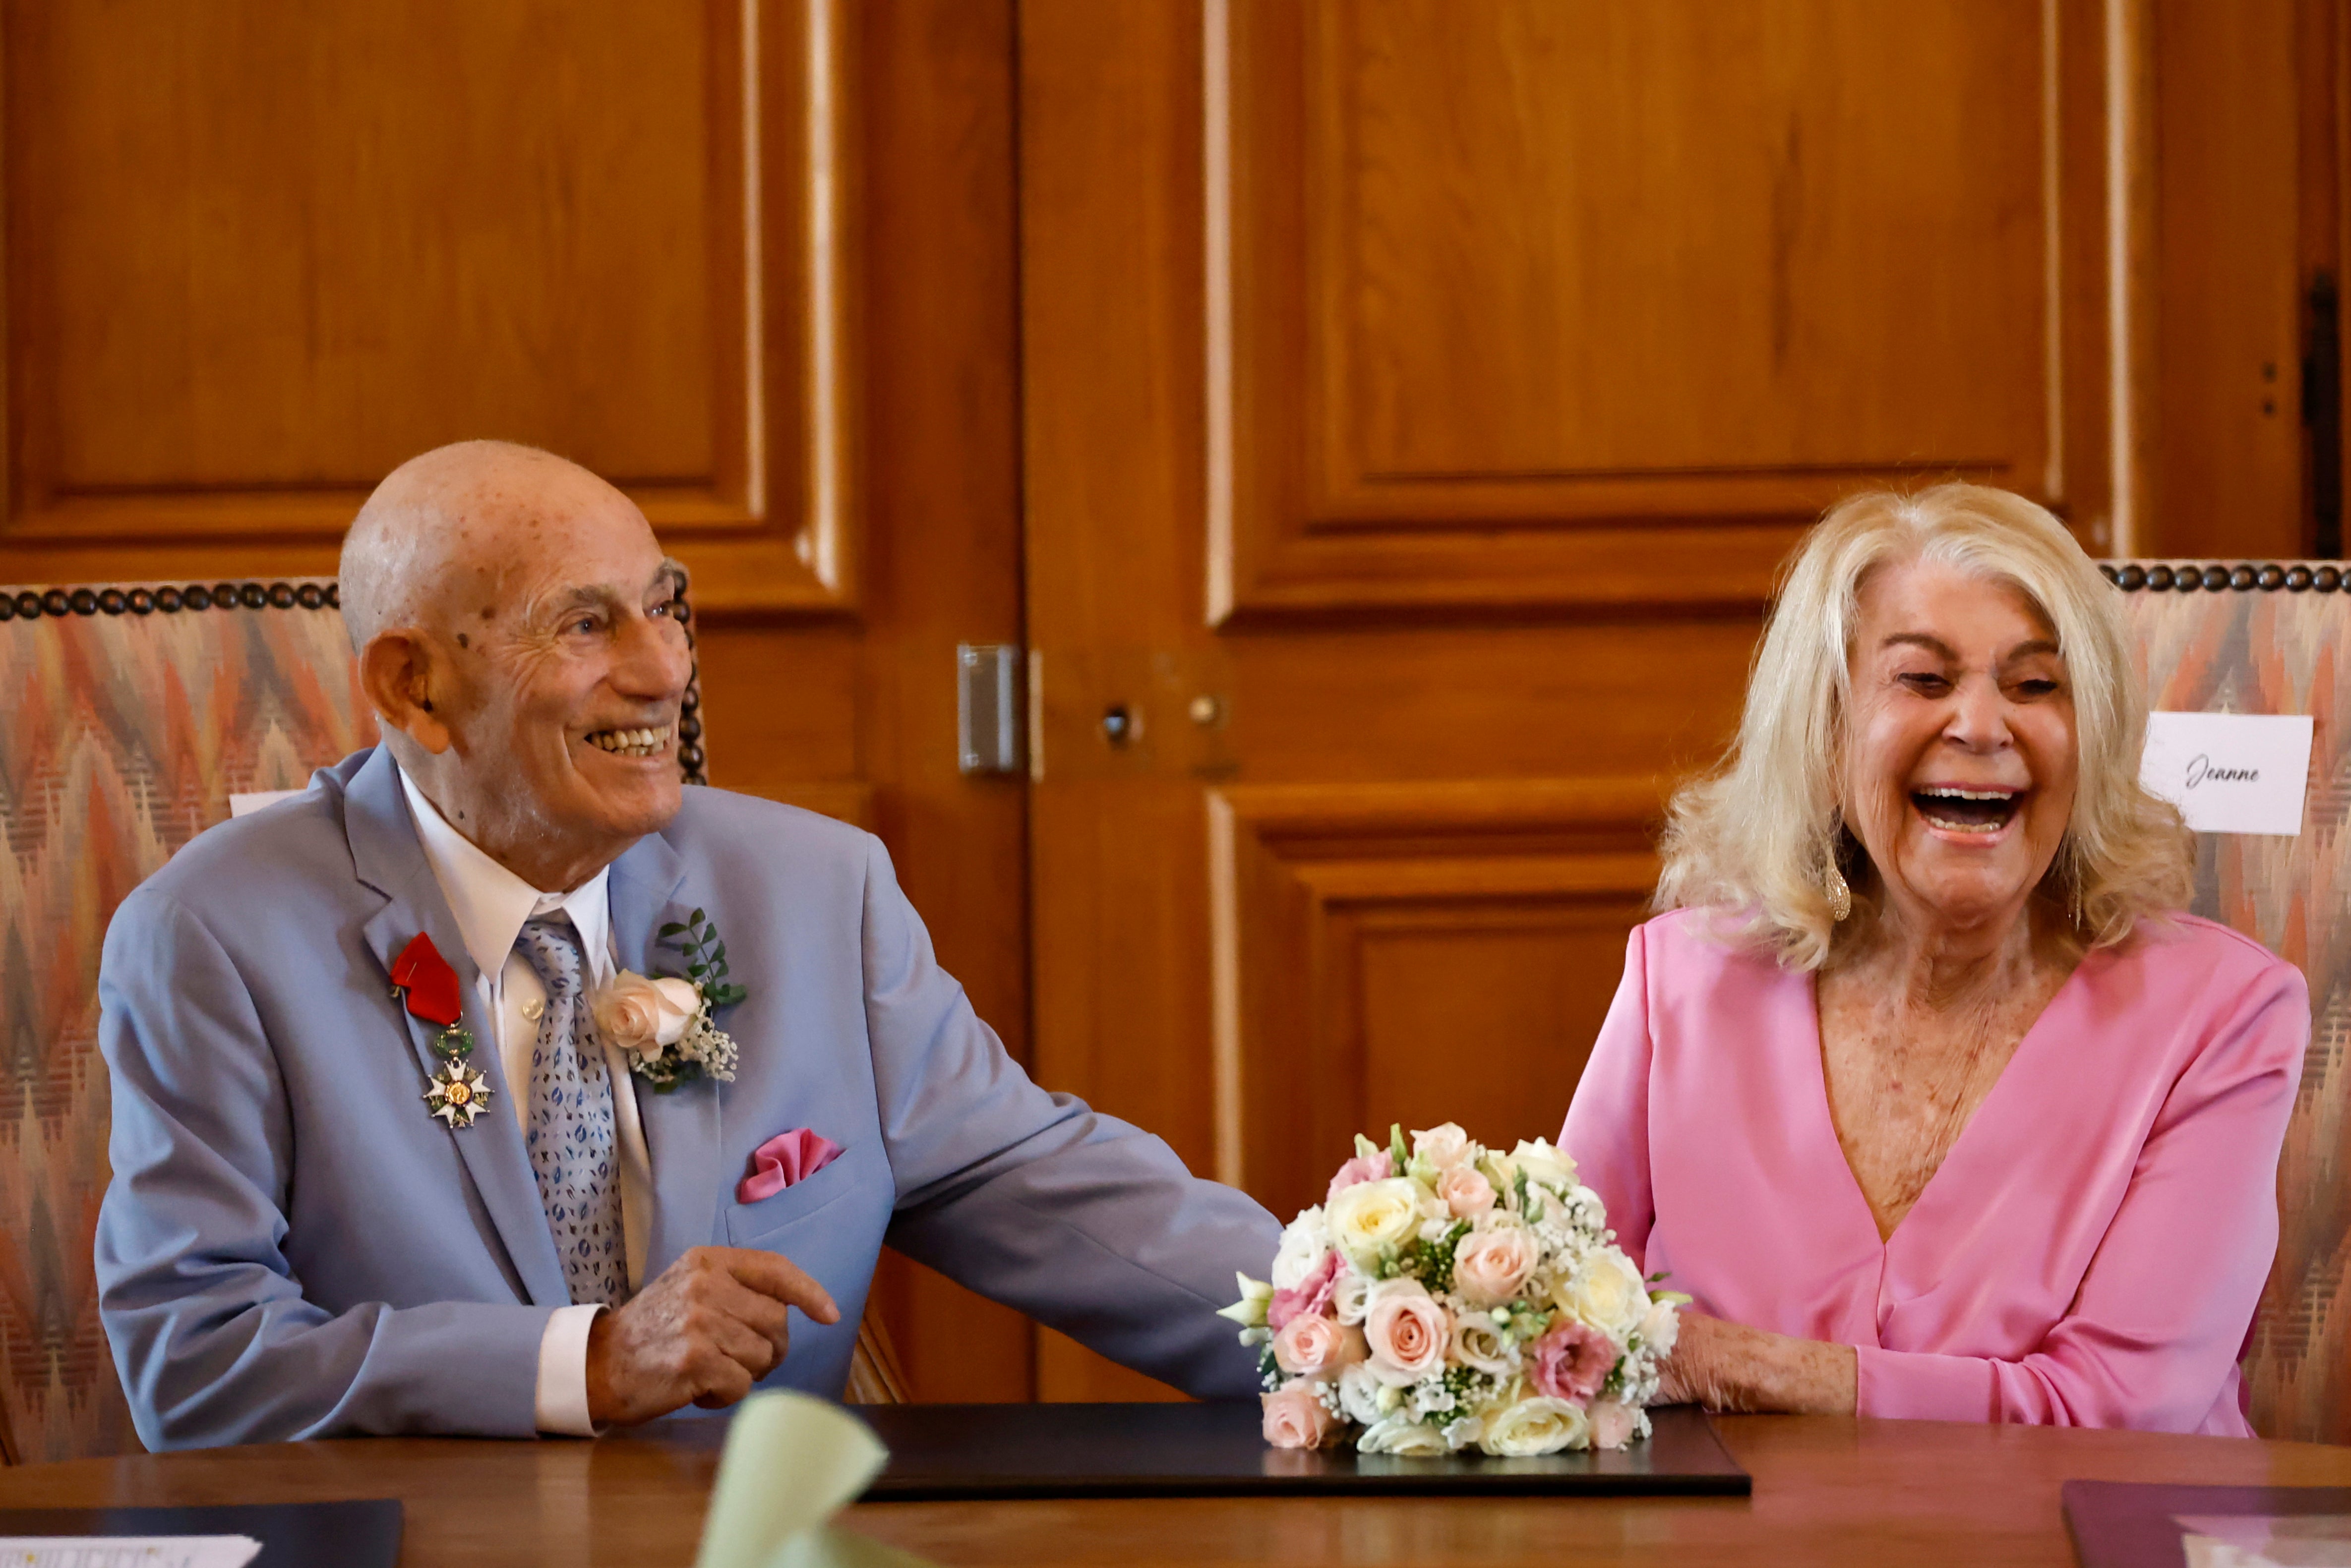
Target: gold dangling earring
pixel 1840 894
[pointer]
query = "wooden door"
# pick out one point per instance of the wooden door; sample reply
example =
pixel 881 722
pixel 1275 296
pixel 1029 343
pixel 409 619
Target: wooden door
pixel 1417 398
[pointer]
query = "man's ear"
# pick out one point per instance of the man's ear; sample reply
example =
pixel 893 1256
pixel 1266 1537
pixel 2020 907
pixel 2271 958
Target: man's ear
pixel 398 670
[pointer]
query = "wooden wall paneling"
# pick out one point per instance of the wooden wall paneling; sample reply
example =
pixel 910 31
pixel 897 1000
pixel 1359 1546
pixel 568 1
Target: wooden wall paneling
pixel 256 257
pixel 2227 465
pixel 1462 350
pixel 1413 953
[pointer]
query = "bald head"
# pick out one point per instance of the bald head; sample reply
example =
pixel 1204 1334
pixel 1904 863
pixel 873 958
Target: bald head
pixel 439 528
pixel 520 636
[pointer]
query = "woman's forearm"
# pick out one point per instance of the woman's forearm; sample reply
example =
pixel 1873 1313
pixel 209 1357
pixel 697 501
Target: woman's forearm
pixel 1730 1366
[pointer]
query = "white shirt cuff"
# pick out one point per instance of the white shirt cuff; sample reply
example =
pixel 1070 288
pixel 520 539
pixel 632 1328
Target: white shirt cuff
pixel 561 1404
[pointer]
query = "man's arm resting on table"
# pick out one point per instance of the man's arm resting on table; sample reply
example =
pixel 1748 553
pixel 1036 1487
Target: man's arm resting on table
pixel 1081 1221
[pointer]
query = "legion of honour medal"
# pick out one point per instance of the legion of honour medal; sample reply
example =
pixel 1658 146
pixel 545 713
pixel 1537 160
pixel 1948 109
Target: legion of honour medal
pixel 456 1092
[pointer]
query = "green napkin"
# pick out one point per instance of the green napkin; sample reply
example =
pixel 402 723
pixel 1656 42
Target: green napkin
pixel 791 1462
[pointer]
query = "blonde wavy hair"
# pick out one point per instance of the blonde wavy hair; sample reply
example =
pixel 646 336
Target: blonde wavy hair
pixel 1754 838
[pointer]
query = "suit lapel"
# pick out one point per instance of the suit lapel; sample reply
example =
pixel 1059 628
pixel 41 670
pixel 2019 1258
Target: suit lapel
pixel 386 856
pixel 682 1127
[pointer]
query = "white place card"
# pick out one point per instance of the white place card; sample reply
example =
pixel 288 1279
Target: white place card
pixel 2229 773
pixel 127 1551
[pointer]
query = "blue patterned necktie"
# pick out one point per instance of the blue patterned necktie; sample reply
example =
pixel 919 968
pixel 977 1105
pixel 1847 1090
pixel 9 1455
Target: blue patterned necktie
pixel 570 1138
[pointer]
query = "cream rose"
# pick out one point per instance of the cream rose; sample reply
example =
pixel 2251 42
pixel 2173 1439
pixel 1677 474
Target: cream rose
pixel 1545 1166
pixel 1479 1343
pixel 1316 1347
pixel 1400 1434
pixel 641 1015
pixel 1296 1418
pixel 1606 1293
pixel 1465 1192
pixel 1612 1424
pixel 1444 1146
pixel 1407 1331
pixel 1370 1215
pixel 1539 1425
pixel 1492 1263
pixel 1304 1245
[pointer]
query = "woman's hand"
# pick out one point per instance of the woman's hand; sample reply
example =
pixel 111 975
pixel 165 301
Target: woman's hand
pixel 1730 1366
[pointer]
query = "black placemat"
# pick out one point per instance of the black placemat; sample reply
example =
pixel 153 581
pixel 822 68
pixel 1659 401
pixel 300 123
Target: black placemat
pixel 2128 1524
pixel 357 1534
pixel 941 1452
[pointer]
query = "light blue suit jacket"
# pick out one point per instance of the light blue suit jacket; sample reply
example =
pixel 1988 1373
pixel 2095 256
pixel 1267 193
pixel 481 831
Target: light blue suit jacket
pixel 292 1247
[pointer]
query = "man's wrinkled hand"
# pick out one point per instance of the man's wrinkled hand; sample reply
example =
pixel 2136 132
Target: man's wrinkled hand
pixel 710 1327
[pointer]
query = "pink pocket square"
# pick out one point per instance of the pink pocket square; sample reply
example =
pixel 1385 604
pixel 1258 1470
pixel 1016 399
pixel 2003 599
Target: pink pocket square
pixel 783 1160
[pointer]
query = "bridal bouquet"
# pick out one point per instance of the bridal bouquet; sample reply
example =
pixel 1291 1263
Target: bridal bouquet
pixel 1451 1297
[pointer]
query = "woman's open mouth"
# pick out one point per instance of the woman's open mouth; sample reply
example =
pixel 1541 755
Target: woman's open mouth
pixel 1960 809
pixel 631 742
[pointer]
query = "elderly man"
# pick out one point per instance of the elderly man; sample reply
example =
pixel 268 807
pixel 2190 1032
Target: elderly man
pixel 378 1167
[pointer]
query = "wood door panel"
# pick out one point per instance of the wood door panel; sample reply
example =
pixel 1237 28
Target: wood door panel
pixel 1490 306
pixel 1411 953
pixel 259 255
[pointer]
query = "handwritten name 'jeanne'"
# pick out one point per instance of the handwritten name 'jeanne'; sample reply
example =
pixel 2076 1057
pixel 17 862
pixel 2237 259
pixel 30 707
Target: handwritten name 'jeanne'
pixel 2202 771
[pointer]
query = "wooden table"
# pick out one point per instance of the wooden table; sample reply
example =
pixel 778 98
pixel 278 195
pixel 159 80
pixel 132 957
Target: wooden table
pixel 1827 1491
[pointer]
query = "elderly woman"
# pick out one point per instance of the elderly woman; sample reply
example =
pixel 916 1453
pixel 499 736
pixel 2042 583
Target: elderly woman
pixel 1925 1091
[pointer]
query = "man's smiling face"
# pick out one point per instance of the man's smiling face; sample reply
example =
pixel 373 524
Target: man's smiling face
pixel 524 636
pixel 582 664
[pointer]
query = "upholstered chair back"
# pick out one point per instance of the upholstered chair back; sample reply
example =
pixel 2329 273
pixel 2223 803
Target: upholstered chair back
pixel 2275 637
pixel 138 711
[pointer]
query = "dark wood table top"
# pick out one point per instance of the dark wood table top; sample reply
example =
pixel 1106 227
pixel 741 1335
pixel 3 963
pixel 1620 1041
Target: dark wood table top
pixel 1830 1490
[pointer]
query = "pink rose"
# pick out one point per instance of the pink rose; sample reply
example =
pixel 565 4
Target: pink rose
pixel 1612 1424
pixel 1363 1168
pixel 641 1015
pixel 1310 1297
pixel 1407 1331
pixel 1316 1347
pixel 1466 1192
pixel 1491 1264
pixel 1296 1418
pixel 1571 1362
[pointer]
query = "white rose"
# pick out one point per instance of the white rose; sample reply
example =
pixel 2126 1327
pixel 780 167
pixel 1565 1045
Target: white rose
pixel 1351 1297
pixel 1303 1246
pixel 640 1015
pixel 1444 1146
pixel 1479 1341
pixel 1359 1394
pixel 1545 1166
pixel 1372 1214
pixel 1400 1434
pixel 1539 1425
pixel 1660 1328
pixel 1606 1293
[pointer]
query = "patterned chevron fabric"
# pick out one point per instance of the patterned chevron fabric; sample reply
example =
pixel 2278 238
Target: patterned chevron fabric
pixel 127 735
pixel 2246 650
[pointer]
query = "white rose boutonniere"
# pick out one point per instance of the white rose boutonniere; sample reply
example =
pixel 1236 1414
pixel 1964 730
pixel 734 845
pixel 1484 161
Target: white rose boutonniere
pixel 663 1024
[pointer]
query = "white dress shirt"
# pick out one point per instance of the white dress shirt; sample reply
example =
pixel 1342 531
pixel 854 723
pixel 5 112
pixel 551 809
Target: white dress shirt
pixel 491 905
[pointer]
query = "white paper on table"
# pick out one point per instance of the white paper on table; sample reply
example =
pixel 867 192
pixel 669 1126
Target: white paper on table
pixel 2265 1541
pixel 2229 773
pixel 127 1551
pixel 247 804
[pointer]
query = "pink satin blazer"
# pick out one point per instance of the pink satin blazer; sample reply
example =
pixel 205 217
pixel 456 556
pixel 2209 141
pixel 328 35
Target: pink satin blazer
pixel 2090 1252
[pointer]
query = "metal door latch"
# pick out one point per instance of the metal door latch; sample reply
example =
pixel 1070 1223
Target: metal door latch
pixel 991 730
